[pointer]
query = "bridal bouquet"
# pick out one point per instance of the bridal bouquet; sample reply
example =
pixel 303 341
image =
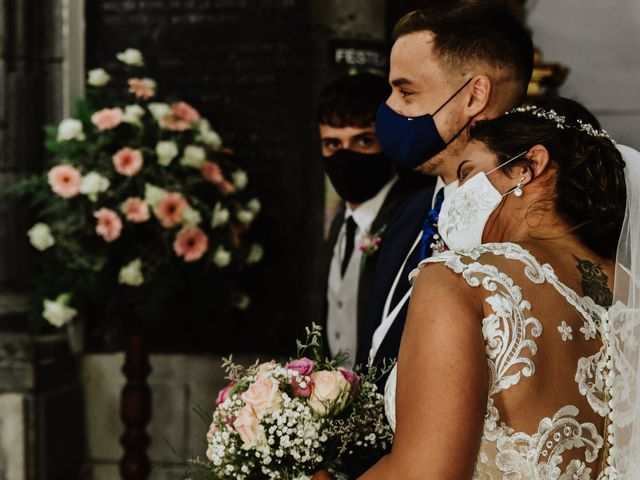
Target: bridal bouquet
pixel 288 420
pixel 140 191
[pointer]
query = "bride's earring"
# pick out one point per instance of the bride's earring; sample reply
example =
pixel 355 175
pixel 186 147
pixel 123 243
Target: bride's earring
pixel 518 190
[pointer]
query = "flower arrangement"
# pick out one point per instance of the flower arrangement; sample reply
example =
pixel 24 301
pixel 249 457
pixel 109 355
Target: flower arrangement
pixel 140 192
pixel 288 420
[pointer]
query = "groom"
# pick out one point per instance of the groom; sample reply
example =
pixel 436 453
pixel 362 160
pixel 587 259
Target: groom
pixel 460 63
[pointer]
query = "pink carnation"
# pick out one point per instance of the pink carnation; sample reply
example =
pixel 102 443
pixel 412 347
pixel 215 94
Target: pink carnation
pixel 65 180
pixel 128 161
pixel 303 366
pixel 353 378
pixel 135 210
pixel 107 118
pixel 224 393
pixel 109 225
pixel 212 172
pixel 184 111
pixel 191 243
pixel 142 87
pixel 170 209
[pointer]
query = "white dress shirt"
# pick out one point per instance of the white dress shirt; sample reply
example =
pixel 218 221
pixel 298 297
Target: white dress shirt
pixel 390 312
pixel 342 292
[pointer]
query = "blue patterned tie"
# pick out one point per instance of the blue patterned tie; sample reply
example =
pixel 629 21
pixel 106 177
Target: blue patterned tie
pixel 430 226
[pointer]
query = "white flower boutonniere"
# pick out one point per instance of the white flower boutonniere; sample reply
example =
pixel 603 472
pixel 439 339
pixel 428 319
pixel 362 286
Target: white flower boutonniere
pixel 371 242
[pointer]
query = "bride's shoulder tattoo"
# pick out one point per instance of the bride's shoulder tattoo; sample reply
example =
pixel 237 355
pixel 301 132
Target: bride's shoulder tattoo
pixel 594 282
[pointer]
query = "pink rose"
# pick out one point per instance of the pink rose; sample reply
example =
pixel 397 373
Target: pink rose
pixel 184 111
pixel 226 188
pixel 212 172
pixel 107 118
pixel 301 391
pixel 224 393
pixel 330 392
pixel 144 88
pixel 303 366
pixel 191 243
pixel 65 180
pixel 170 209
pixel 353 378
pixel 263 395
pixel 135 210
pixel 265 368
pixel 128 161
pixel 109 224
pixel 248 427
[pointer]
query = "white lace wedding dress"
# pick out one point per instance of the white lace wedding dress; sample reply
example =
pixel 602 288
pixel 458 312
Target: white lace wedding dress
pixel 548 399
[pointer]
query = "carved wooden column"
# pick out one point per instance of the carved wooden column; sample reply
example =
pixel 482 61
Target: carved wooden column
pixel 135 407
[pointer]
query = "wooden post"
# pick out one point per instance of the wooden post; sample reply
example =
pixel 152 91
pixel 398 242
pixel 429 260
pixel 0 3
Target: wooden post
pixel 135 406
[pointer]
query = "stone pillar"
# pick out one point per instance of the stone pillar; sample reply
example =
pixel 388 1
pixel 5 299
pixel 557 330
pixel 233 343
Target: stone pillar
pixel 40 402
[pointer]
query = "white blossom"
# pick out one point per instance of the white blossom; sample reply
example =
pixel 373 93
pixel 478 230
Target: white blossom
pixel 57 312
pixel 208 135
pixel 131 274
pixel 255 254
pixel 166 151
pixel 131 56
pixel 133 114
pixel 220 216
pixel 70 129
pixel 254 205
pixel 245 216
pixel 159 110
pixel 242 302
pixel 240 179
pixel 191 217
pixel 153 195
pixel 40 236
pixel 98 77
pixel 222 257
pixel 193 156
pixel 93 184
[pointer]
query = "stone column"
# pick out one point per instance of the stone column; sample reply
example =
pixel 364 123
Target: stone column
pixel 40 405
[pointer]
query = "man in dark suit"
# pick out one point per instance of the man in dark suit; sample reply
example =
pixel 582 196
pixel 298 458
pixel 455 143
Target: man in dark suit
pixel 372 192
pixel 452 64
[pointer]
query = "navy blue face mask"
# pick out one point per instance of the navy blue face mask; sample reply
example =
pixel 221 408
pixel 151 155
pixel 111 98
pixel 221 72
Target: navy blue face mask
pixel 411 141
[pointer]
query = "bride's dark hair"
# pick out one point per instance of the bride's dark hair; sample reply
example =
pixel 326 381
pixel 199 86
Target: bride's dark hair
pixel 590 191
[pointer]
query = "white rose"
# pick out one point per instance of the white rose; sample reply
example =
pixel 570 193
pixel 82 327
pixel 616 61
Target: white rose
pixel 40 236
pixel 220 216
pixel 193 156
pixel 330 392
pixel 240 179
pixel 57 312
pixel 98 77
pixel 255 254
pixel 243 302
pixel 222 257
pixel 70 129
pixel 131 56
pixel 133 114
pixel 166 151
pixel 93 184
pixel 131 274
pixel 153 195
pixel 159 110
pixel 254 205
pixel 245 216
pixel 191 217
pixel 209 136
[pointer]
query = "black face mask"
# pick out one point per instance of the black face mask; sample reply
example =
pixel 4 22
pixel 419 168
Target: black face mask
pixel 357 177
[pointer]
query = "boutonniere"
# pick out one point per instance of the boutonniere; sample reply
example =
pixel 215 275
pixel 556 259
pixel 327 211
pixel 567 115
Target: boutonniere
pixel 371 242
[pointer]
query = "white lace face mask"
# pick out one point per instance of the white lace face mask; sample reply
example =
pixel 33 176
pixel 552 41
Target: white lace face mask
pixel 467 208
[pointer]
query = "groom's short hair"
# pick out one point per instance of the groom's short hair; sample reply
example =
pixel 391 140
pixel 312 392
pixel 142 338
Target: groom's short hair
pixel 467 32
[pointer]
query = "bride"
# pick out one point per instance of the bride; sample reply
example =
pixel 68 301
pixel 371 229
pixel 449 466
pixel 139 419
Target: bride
pixel 506 360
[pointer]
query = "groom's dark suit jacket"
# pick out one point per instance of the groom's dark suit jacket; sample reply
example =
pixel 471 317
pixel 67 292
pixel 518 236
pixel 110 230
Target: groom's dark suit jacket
pixel 397 196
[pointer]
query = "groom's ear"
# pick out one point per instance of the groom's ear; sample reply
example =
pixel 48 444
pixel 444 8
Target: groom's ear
pixel 481 90
pixel 538 160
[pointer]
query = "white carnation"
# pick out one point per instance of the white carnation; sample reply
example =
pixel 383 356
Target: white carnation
pixel 159 110
pixel 131 56
pixel 254 205
pixel 153 195
pixel 191 217
pixel 209 136
pixel 131 274
pixel 222 257
pixel 40 236
pixel 93 184
pixel 166 151
pixel 133 114
pixel 240 179
pixel 255 254
pixel 98 77
pixel 220 216
pixel 193 156
pixel 245 216
pixel 70 129
pixel 57 312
